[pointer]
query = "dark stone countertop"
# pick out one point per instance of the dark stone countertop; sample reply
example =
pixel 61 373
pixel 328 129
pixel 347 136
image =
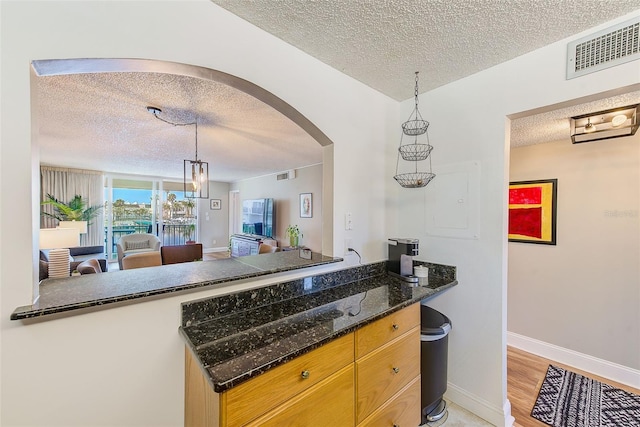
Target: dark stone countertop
pixel 236 337
pixel 89 291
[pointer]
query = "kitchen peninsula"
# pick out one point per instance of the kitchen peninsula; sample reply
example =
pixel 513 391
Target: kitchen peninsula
pixel 94 291
pixel 340 348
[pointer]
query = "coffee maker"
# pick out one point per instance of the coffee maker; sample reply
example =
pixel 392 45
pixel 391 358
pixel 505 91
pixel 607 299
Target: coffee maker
pixel 400 262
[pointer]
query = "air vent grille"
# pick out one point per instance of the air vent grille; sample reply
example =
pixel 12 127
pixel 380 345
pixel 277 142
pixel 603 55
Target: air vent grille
pixel 607 48
pixel 282 176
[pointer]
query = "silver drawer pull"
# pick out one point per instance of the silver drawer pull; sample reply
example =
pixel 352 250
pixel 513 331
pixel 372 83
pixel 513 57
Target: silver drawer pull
pixel 304 375
pixel 395 327
pixel 395 370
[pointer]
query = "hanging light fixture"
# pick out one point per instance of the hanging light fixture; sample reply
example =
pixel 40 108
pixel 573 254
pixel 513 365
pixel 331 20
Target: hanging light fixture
pixel 414 151
pixel 196 172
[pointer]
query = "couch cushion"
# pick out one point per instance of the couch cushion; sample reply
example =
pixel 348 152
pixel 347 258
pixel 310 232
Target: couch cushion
pixel 143 244
pixel 86 250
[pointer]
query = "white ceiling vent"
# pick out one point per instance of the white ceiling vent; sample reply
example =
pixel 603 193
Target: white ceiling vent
pixel 290 174
pixel 606 48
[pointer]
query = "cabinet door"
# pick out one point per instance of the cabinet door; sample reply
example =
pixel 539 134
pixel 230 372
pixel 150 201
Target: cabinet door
pixel 402 410
pixel 328 403
pixel 382 373
pixel 380 332
pixel 265 392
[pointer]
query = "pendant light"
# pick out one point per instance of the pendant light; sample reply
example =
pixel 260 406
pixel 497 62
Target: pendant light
pixel 414 151
pixel 196 172
pixel 196 175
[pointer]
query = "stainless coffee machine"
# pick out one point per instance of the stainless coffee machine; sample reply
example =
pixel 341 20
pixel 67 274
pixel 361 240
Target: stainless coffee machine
pixel 400 262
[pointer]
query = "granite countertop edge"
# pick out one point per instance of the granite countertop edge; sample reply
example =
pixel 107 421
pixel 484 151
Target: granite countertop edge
pixel 221 385
pixel 34 311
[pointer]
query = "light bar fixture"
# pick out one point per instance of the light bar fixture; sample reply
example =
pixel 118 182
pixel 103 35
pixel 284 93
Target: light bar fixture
pixel 614 123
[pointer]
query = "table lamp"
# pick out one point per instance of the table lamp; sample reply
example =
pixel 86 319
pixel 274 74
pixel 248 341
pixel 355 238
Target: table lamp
pixel 80 225
pixel 58 241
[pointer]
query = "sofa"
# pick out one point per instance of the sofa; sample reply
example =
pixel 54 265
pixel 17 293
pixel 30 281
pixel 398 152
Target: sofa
pixel 78 254
pixel 136 243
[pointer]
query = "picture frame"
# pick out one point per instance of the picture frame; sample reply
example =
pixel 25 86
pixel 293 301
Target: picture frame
pixel 215 204
pixel 306 205
pixel 533 211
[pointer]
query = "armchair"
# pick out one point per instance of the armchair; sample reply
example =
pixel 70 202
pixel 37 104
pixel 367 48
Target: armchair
pixel 136 243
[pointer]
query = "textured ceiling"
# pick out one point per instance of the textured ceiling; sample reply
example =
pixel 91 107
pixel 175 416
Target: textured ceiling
pixel 100 121
pixel 554 125
pixel 383 42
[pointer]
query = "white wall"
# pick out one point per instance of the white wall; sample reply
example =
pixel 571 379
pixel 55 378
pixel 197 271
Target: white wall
pixel 124 366
pixel 470 130
pixel 213 224
pixel 286 195
pixel 582 294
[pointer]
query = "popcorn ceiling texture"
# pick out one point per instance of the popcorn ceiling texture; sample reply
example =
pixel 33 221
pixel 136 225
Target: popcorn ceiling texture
pixel 99 121
pixel 383 42
pixel 554 125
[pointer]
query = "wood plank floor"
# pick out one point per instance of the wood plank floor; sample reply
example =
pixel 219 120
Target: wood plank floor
pixel 525 373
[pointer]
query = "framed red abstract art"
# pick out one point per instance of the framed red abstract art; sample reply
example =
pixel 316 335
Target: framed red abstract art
pixel 532 211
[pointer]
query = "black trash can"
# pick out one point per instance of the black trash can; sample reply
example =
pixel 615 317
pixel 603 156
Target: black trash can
pixel 434 331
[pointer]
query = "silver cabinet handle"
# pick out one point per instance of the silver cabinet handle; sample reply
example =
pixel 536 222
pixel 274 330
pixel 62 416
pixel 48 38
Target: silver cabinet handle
pixel 395 327
pixel 304 375
pixel 395 370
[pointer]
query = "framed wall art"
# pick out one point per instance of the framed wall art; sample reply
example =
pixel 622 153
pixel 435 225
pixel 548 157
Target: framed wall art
pixel 532 211
pixel 306 205
pixel 216 204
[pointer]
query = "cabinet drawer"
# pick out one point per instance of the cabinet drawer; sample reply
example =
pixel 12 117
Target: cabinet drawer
pixel 264 392
pixel 382 373
pixel 381 331
pixel 402 410
pixel 328 403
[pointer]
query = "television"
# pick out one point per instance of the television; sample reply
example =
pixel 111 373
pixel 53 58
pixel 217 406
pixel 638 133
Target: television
pixel 258 217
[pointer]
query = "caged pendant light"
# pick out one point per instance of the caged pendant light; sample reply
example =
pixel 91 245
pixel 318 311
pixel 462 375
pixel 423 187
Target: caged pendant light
pixel 196 176
pixel 414 151
pixel 196 172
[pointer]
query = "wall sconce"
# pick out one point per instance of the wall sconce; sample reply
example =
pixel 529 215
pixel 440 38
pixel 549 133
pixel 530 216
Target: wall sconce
pixel 606 124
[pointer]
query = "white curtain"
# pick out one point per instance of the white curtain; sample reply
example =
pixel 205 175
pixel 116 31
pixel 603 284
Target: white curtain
pixel 64 184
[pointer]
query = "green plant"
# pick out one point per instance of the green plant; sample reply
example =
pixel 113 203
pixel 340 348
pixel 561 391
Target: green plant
pixel 75 210
pixel 188 231
pixel 293 231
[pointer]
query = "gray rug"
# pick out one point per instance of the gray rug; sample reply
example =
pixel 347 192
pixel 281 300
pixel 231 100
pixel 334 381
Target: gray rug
pixel 567 399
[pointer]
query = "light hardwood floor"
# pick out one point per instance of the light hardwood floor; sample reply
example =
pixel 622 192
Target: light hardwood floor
pixel 525 373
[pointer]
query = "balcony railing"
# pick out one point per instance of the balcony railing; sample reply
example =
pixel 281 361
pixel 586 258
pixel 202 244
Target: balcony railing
pixel 170 234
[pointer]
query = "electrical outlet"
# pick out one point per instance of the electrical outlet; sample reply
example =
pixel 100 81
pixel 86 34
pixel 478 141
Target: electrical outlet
pixel 214 241
pixel 347 244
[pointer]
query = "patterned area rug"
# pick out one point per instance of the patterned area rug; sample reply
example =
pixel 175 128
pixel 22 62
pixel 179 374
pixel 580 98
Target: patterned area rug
pixel 567 399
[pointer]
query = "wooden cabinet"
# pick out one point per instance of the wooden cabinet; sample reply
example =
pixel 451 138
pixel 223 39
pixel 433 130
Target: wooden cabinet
pixel 329 403
pixel 264 392
pixel 367 378
pixel 402 410
pixel 387 361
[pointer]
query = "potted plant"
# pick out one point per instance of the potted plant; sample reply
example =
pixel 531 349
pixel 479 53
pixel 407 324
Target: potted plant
pixel 294 233
pixel 188 231
pixel 75 210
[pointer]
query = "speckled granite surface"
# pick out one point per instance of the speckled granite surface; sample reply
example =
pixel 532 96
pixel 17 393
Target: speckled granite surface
pixel 238 336
pixel 97 290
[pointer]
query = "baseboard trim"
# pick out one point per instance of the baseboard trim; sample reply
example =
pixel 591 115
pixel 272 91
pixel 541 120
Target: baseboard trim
pixel 601 367
pixel 480 407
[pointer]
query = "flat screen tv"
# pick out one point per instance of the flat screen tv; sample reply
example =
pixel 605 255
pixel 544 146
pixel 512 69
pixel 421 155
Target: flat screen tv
pixel 258 217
